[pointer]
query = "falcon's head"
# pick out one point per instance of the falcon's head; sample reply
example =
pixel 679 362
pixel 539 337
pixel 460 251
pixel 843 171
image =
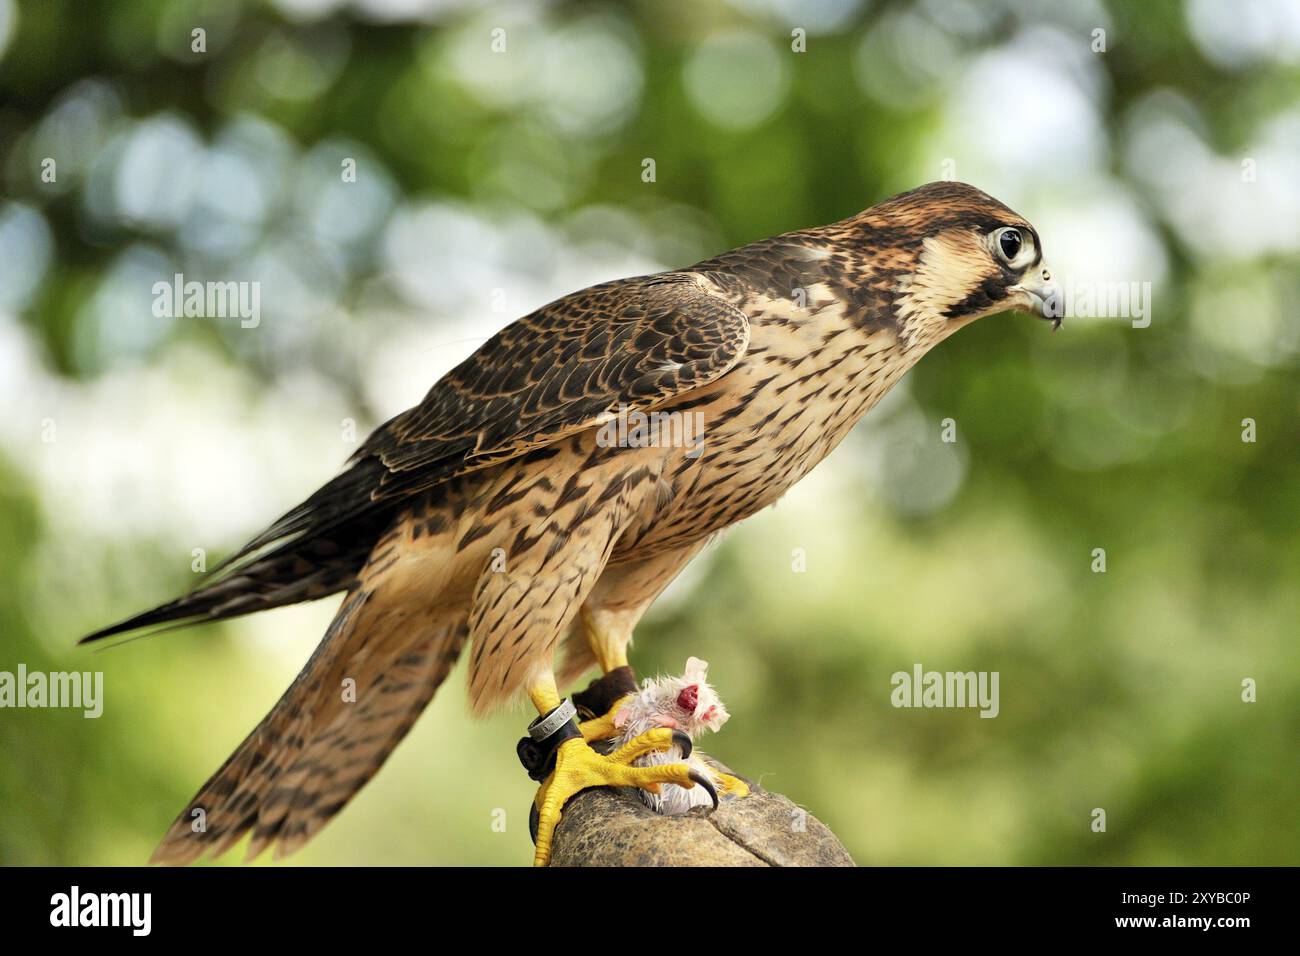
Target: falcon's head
pixel 960 255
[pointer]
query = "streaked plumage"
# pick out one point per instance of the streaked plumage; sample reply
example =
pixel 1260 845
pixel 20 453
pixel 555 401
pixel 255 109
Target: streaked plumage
pixel 492 512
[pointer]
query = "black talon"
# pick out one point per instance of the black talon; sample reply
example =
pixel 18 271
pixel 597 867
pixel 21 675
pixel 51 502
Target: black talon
pixel 704 782
pixel 683 743
pixel 533 817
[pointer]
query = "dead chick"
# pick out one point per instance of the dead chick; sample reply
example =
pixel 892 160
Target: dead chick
pixel 687 704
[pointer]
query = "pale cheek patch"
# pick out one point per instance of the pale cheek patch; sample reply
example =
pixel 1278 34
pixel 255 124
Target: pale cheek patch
pixel 952 265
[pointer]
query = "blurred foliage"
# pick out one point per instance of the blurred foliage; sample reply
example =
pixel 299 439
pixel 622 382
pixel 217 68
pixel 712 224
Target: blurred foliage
pixel 1119 690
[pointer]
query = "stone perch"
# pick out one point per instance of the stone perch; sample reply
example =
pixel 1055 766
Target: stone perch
pixel 612 827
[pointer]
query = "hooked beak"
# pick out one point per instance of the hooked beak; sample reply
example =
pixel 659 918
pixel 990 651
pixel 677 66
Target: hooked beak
pixel 1042 295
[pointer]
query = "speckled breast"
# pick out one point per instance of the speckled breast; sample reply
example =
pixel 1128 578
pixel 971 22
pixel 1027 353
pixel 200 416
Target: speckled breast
pixel 802 385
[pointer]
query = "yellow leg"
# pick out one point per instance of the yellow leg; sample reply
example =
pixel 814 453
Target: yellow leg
pixel 578 767
pixel 608 635
pixel 545 695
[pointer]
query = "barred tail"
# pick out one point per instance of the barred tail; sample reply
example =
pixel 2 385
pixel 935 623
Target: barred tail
pixel 320 745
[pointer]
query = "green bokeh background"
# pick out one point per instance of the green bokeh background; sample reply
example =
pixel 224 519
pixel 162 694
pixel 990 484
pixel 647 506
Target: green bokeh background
pixel 1119 690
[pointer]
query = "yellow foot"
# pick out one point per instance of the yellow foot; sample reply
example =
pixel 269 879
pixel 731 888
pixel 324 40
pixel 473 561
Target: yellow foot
pixel 602 728
pixel 731 786
pixel 578 767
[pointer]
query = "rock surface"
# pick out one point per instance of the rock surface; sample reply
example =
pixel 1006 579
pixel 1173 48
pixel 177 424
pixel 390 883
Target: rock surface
pixel 609 827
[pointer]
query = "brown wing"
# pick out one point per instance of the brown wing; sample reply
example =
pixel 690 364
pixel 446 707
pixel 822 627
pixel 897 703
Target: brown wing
pixel 565 367
pixel 568 366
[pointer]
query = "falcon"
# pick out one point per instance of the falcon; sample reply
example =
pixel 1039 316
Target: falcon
pixel 495 518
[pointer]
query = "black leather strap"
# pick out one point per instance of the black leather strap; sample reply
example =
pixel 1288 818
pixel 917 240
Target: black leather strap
pixel 538 756
pixel 604 692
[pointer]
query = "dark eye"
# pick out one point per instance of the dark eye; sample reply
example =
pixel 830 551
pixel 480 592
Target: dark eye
pixel 1009 242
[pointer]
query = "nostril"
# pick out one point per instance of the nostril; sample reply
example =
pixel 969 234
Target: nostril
pixel 1047 276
